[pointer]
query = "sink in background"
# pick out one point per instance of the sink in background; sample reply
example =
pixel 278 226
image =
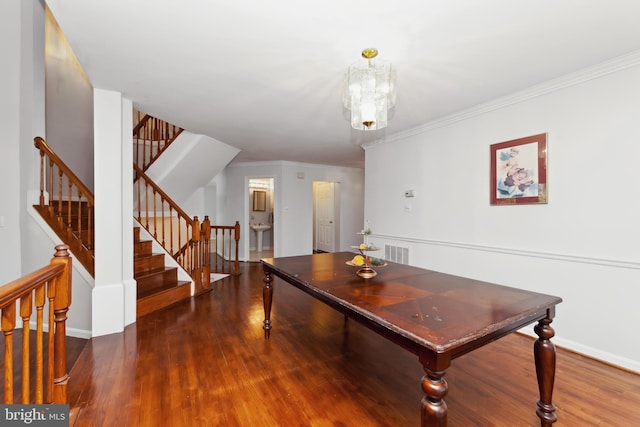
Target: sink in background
pixel 259 229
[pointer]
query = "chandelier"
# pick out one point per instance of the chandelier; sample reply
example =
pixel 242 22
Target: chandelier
pixel 370 91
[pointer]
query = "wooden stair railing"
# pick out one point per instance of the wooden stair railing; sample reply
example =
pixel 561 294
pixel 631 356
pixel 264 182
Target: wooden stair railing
pixel 69 211
pixel 226 239
pixel 50 284
pixel 69 208
pixel 151 136
pixel 169 225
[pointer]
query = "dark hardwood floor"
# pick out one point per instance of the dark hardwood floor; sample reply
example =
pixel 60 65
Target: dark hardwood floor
pixel 205 362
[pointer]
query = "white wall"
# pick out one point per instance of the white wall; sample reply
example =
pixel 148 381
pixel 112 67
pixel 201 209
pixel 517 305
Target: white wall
pixel 293 198
pixel 189 163
pixel 69 106
pixel 10 140
pixel 581 246
pixel 25 244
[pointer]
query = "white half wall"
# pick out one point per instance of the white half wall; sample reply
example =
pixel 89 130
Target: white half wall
pixel 581 246
pixel 189 163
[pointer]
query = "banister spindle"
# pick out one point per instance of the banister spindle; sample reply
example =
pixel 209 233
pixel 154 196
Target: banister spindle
pixel 50 184
pixel 179 233
pixel 155 215
pixel 139 198
pixel 60 196
pixel 146 201
pixel 162 219
pixel 171 250
pixel 42 175
pixel 51 296
pixel 8 326
pixel 39 303
pixel 216 250
pixel 195 255
pixel 79 212
pixel 69 206
pixel 25 314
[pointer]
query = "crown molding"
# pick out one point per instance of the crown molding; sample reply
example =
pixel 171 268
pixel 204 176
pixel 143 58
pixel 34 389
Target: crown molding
pixel 283 163
pixel 604 68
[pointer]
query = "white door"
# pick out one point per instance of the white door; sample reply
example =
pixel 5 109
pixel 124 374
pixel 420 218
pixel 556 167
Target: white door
pixel 325 222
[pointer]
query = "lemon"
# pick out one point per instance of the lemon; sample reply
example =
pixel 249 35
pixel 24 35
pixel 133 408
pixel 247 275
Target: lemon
pixel 363 246
pixel 358 260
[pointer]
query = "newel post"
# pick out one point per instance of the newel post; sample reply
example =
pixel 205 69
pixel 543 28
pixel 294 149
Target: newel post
pixel 196 267
pixel 236 264
pixel 61 305
pixel 206 260
pixel 36 142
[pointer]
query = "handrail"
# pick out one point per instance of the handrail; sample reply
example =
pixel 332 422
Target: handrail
pixel 141 123
pixel 69 213
pixel 45 149
pixel 50 284
pixel 152 136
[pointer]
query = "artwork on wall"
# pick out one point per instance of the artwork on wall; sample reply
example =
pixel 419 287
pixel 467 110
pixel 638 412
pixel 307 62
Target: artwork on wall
pixel 519 171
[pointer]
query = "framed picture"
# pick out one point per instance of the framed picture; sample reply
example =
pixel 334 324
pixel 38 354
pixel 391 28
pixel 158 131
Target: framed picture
pixel 519 171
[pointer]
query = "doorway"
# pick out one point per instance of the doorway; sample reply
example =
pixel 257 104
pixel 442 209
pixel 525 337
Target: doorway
pixel 326 227
pixel 260 236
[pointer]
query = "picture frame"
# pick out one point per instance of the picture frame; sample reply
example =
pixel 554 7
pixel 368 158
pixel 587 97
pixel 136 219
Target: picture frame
pixel 259 201
pixel 519 171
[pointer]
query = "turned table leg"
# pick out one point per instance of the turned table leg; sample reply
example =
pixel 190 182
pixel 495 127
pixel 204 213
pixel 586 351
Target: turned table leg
pixel 433 411
pixel 267 296
pixel 545 357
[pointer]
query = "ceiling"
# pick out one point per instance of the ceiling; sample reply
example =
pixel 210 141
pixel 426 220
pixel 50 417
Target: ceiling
pixel 266 76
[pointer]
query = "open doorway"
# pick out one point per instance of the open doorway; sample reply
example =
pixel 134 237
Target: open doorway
pixel 326 226
pixel 261 228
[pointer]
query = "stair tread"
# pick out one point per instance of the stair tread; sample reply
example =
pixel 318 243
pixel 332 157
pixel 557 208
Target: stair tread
pixel 160 289
pixel 150 255
pixel 154 272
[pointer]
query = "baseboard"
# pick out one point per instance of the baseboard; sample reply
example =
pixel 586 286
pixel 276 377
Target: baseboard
pixel 590 352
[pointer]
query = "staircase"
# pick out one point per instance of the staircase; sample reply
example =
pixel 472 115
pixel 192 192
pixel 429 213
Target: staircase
pixel 158 285
pixel 70 214
pixel 67 206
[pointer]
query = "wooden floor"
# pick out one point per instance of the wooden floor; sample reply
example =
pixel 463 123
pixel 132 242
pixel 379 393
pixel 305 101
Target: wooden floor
pixel 206 363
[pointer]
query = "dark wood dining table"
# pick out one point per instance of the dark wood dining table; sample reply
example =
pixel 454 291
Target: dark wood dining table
pixel 434 315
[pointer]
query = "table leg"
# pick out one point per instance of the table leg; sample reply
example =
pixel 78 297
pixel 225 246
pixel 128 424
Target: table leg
pixel 545 357
pixel 434 409
pixel 267 296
